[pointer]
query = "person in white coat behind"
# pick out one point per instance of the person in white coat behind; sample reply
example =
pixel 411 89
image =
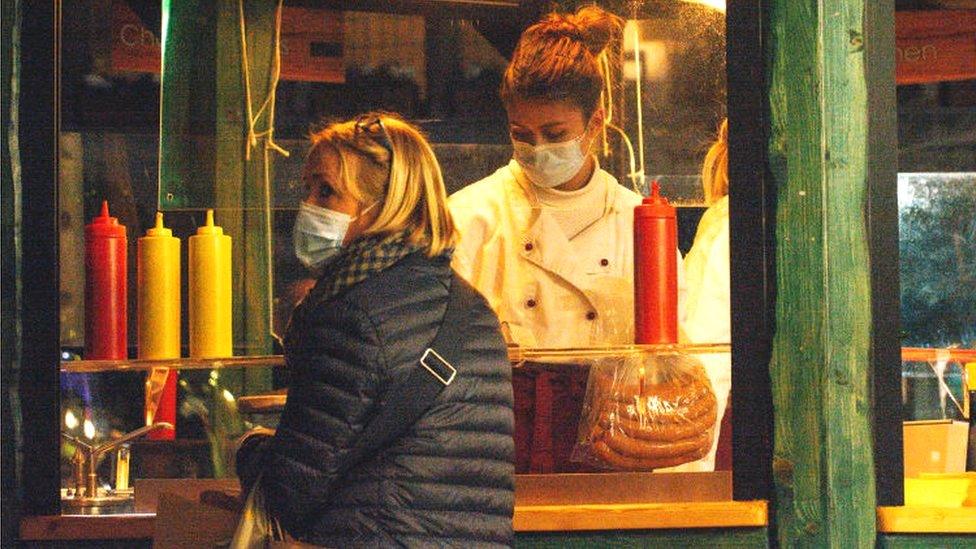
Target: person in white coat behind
pixel 548 238
pixel 707 304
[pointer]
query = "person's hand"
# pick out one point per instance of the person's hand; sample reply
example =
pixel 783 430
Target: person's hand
pixel 255 432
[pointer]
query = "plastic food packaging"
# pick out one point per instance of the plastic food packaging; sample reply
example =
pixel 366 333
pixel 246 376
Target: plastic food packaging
pixel 646 412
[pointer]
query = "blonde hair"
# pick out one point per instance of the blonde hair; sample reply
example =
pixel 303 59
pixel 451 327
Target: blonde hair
pixel 557 59
pixel 715 168
pixel 411 191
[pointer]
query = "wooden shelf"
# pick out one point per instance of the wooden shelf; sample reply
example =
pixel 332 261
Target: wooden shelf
pixel 641 516
pixel 96 366
pixel 927 520
pixel 925 354
pixel 516 355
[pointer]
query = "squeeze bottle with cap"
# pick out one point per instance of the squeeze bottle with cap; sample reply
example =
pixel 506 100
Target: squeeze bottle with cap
pixel 211 334
pixel 971 388
pixel 106 337
pixel 158 317
pixel 655 270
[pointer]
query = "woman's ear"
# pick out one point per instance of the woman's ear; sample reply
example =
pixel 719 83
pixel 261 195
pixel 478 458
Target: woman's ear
pixel 596 121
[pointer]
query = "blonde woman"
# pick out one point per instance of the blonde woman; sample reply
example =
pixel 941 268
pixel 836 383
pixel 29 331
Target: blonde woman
pixel 706 267
pixel 398 425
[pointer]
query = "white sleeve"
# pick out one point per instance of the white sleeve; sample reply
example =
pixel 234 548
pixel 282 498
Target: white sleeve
pixel 710 322
pixel 682 291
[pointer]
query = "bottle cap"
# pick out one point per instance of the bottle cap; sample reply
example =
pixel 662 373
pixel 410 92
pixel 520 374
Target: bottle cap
pixel 159 229
pixel 104 225
pixel 210 228
pixel 655 205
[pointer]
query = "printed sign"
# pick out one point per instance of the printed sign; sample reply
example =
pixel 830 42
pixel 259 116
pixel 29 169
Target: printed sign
pixel 935 46
pixel 311 44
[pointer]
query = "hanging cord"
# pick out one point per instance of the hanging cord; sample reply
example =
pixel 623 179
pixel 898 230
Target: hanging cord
pixel 269 101
pixel 269 145
pixel 607 99
pixel 640 110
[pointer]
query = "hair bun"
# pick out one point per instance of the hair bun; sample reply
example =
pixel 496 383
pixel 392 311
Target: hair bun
pixel 597 27
pixel 591 26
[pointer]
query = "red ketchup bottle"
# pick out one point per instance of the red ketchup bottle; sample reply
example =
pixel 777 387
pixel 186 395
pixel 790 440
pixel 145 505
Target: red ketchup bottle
pixel 105 288
pixel 655 270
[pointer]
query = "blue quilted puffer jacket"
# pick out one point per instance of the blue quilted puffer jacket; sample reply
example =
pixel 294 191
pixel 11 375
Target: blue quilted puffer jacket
pixel 449 480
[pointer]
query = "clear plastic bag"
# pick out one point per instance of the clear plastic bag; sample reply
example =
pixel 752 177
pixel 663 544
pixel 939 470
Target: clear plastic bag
pixel 645 412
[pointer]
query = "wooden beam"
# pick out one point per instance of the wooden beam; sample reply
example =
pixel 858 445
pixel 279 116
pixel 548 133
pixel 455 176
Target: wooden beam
pixel 752 195
pixel 820 368
pixel 241 192
pixel 882 218
pixel 38 151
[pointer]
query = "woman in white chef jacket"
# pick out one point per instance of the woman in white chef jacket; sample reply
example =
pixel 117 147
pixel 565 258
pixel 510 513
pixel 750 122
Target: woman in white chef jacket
pixel 548 238
pixel 706 312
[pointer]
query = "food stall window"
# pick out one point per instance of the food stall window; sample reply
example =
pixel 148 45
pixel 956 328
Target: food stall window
pixel 668 89
pixel 936 99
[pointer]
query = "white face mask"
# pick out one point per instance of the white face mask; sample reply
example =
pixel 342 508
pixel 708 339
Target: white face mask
pixel 318 234
pixel 551 164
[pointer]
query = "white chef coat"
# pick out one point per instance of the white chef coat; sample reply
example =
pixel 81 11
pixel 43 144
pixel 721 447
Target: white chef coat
pixel 706 314
pixel 549 290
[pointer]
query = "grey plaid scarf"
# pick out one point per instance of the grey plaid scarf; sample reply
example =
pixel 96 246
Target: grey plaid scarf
pixel 355 263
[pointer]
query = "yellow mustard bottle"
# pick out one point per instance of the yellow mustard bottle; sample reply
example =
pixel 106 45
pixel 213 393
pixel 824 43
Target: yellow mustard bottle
pixel 158 320
pixel 211 332
pixel 158 293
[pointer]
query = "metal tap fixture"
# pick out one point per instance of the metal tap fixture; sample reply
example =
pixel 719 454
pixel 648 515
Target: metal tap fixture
pixel 85 465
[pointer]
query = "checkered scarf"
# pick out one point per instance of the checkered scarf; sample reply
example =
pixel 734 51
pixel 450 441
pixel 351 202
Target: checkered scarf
pixel 362 258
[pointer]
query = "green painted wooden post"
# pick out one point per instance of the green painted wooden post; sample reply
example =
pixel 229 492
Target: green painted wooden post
pixel 239 184
pixel 202 165
pixel 186 152
pixel 820 369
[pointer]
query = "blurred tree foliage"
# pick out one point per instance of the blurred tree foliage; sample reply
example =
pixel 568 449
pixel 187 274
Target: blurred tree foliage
pixel 937 243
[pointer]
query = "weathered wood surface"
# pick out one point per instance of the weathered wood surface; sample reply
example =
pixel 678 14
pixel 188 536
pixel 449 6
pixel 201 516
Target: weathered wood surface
pixel 240 189
pixel 820 371
pixel 202 165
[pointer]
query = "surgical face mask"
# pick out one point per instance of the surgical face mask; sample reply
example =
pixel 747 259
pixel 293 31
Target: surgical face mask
pixel 551 164
pixel 318 234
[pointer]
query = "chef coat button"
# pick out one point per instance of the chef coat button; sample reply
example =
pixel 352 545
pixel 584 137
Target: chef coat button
pixel 530 303
pixel 528 246
pixel 604 262
pixel 591 315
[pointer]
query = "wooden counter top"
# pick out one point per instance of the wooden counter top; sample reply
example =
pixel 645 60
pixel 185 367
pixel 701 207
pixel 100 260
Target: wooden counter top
pixel 531 518
pixel 640 516
pixel 78 527
pixel 927 520
pixel 549 518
